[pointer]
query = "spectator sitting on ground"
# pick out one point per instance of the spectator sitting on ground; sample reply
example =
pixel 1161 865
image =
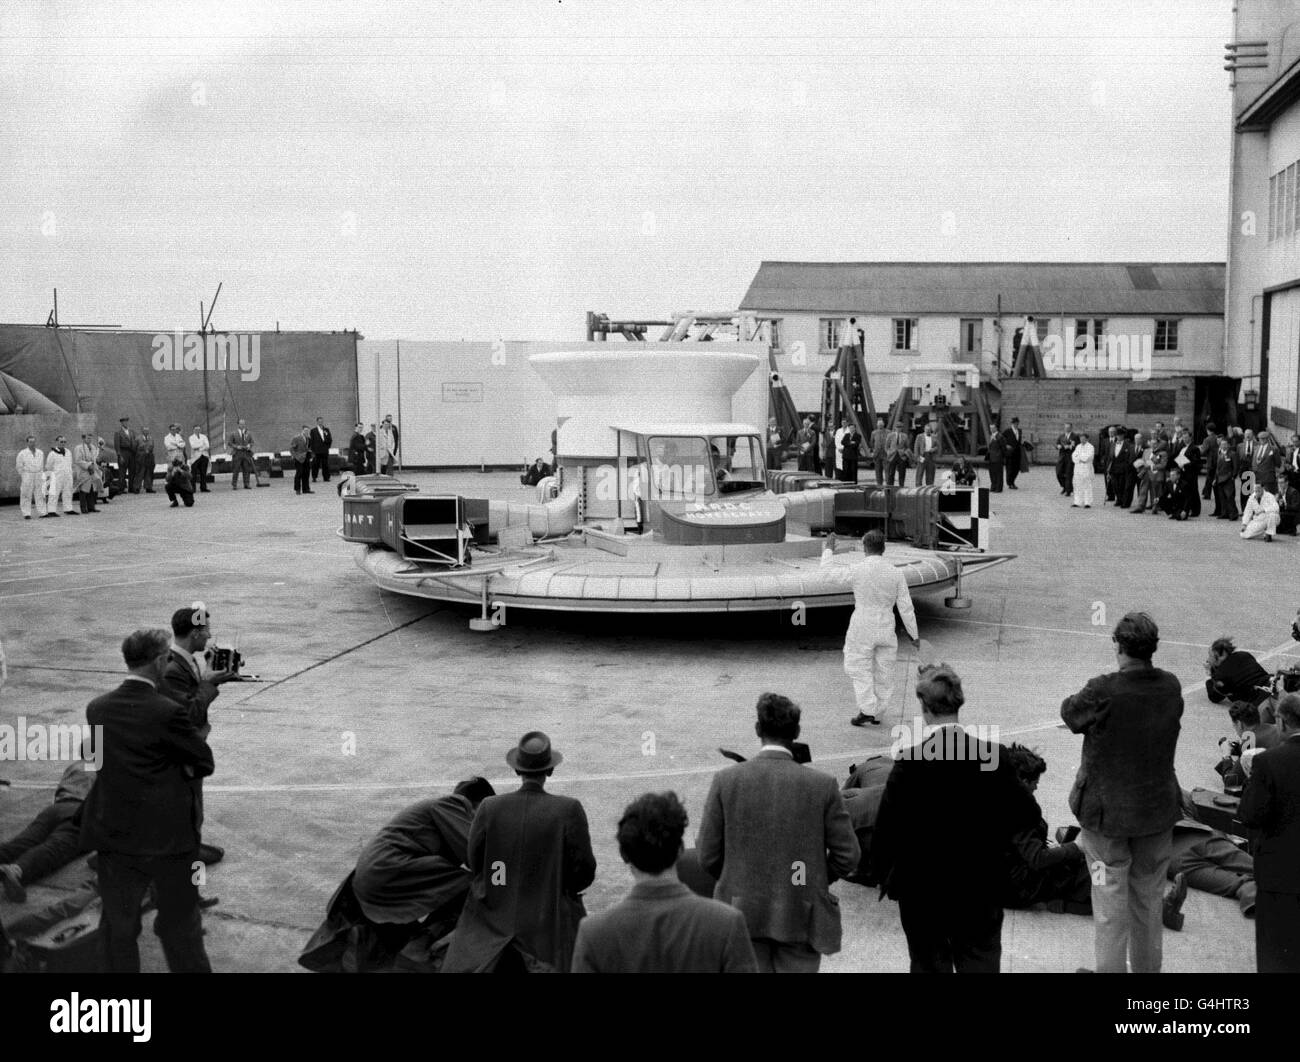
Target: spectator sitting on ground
pixel 535 473
pixel 1235 675
pixel 1245 717
pixel 50 841
pixel 1037 871
pixel 662 927
pixel 1288 503
pixel 1178 496
pixel 963 472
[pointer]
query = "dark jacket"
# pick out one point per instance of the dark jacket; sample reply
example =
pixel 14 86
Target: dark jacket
pixel 357 446
pixel 183 686
pixel 1036 871
pixel 997 450
pixel 1129 720
pixel 663 927
pixel 776 834
pixel 1271 804
pixel 1237 679
pixel 1177 498
pixel 413 866
pixel 142 802
pixel 320 440
pixel 530 857
pixel 179 479
pixel 950 808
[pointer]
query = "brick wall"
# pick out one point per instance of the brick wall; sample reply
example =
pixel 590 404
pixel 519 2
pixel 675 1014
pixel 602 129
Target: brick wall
pixel 1044 406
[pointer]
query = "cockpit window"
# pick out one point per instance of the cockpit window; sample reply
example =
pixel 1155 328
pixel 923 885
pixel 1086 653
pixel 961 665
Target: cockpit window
pixel 738 460
pixel 680 467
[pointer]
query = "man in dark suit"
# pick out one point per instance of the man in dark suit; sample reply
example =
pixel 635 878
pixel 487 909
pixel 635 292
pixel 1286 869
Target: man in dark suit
pixel 918 857
pixel 997 461
pixel 240 447
pixel 530 857
pixel 776 834
pixel 1178 497
pixel 357 450
pixel 1013 443
pixel 124 441
pixel 300 454
pixel 1271 805
pixel 142 816
pixel 662 927
pixel 146 458
pixel 188 682
pixel 1120 480
pixel 1126 796
pixel 320 442
pixel 1065 444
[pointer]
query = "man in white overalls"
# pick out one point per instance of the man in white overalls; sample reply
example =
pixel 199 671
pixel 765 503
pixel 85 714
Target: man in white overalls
pixel 871 646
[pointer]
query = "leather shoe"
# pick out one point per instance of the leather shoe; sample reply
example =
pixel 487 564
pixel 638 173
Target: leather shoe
pixel 210 853
pixel 208 901
pixel 1175 894
pixel 862 719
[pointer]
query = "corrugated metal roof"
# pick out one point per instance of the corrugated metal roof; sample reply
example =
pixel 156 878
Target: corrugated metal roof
pixel 1104 289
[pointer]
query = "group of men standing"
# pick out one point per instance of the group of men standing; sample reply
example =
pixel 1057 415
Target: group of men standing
pixel 1160 472
pixel 47 482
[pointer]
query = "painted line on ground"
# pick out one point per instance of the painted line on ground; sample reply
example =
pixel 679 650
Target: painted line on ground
pixel 350 787
pixel 132 582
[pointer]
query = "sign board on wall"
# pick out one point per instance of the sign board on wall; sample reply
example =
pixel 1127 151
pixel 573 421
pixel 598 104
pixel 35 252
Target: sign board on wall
pixel 462 392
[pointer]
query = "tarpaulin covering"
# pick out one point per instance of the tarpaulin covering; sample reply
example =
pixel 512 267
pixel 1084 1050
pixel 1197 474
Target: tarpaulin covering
pixel 276 381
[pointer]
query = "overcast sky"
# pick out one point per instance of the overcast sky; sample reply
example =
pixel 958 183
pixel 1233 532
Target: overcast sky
pixel 490 170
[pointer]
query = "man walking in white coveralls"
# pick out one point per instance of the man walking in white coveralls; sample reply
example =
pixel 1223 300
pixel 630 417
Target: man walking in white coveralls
pixel 31 466
pixel 871 646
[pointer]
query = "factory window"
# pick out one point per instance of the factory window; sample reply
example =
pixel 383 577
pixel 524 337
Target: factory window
pixel 905 330
pixel 1089 328
pixel 774 336
pixel 831 329
pixel 1166 334
pixel 1272 208
pixel 1288 221
pixel 1041 325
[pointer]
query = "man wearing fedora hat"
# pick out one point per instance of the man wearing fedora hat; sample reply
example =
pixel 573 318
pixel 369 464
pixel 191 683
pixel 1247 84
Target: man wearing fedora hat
pixel 775 834
pixel 530 857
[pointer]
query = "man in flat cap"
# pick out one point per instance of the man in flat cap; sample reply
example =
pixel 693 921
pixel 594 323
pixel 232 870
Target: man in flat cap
pixel 124 441
pixel 530 857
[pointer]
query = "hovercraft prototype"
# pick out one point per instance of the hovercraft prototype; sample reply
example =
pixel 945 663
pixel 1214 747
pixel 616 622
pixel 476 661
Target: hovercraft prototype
pixel 651 514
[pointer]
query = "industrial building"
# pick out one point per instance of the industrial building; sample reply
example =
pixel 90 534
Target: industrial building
pixel 1262 310
pixel 911 318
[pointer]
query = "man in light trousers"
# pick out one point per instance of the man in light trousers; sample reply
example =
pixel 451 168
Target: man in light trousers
pixel 871 644
pixel 1126 796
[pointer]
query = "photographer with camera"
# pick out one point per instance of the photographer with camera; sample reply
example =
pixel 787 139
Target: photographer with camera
pixel 1234 675
pixel 188 680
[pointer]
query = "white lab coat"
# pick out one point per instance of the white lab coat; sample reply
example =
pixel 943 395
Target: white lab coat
pixel 1083 474
pixel 59 466
pixel 31 470
pixel 870 644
